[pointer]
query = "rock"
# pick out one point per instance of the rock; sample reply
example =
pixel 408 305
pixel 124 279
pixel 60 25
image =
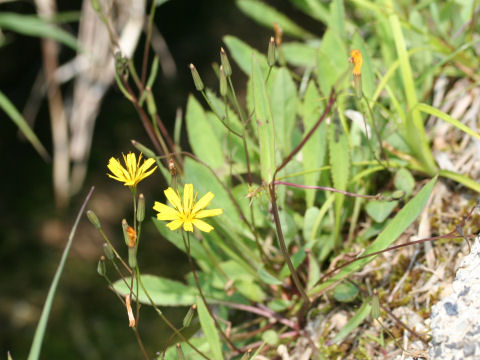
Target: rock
pixel 455 320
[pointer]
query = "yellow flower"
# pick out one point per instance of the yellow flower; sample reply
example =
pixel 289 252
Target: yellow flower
pixel 134 172
pixel 187 213
pixel 357 60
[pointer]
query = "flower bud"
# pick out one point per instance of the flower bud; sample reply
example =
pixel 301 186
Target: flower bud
pixel 94 219
pixel 101 268
pixel 271 52
pixel 141 208
pixel 143 149
pixel 125 232
pixel 223 82
pixel 357 60
pixel 132 257
pixel 225 63
pixel 278 34
pixel 96 6
pixel 180 355
pixel 188 318
pixel 375 304
pixel 196 78
pixel 108 251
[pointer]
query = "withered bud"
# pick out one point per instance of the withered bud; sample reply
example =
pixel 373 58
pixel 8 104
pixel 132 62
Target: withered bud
pixel 278 34
pixel 131 318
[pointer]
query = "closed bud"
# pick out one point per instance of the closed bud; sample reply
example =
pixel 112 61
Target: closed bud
pixel 196 78
pixel 225 63
pixel 108 251
pixel 190 314
pixel 180 355
pixel 271 52
pixel 141 208
pixel 101 268
pixel 94 219
pixel 143 149
pixel 132 257
pixel 398 194
pixel 223 82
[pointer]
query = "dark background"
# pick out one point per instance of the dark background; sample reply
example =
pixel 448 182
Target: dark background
pixel 87 321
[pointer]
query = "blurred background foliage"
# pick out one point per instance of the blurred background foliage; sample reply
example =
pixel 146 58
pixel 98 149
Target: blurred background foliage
pixel 85 322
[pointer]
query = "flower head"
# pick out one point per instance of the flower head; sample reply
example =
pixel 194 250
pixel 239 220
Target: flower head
pixel 357 60
pixel 186 213
pixel 134 172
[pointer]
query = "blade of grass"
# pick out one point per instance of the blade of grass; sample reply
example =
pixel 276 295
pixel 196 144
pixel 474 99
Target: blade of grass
pixel 461 179
pixel 353 323
pixel 445 117
pixel 18 119
pixel 416 135
pixel 42 323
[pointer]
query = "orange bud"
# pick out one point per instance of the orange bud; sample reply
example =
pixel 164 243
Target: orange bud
pixel 278 34
pixel 132 236
pixel 357 60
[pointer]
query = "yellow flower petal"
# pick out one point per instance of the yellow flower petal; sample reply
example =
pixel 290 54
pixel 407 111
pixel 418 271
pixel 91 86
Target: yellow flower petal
pixel 188 226
pixel 202 225
pixel 174 225
pixel 174 199
pixel 207 213
pixel 203 202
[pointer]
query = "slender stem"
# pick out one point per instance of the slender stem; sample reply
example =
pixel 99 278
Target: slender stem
pixel 286 255
pixel 147 42
pixel 140 343
pixel 327 188
pixel 197 282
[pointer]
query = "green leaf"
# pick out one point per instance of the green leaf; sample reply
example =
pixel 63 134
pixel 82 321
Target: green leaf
pixel 266 16
pixel 163 291
pixel 379 210
pixel 242 54
pixel 461 179
pixel 404 218
pixel 332 61
pixel 264 121
pixel 313 8
pixel 315 148
pixel 270 337
pixel 404 181
pixel 353 323
pixel 251 290
pixel 18 119
pixel 201 135
pixel 414 126
pixel 32 25
pixel 337 17
pixel 345 292
pixel 299 54
pixel 208 327
pixel 267 278
pixel 445 117
pixel 309 221
pixel 296 259
pixel 284 108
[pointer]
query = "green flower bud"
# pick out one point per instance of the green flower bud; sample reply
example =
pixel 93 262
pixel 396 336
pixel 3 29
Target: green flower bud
pixel 188 318
pixel 96 6
pixel 101 268
pixel 246 356
pixel 94 219
pixel 223 82
pixel 271 52
pixel 125 232
pixel 196 78
pixel 132 257
pixel 151 106
pixel 108 251
pixel 225 63
pixel 141 208
pixel 143 149
pixel 375 303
